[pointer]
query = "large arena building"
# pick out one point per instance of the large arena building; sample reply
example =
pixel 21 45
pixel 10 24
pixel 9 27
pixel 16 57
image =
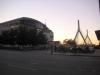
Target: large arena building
pixel 29 22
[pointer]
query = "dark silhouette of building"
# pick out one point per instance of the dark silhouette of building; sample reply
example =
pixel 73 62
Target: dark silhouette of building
pixel 30 23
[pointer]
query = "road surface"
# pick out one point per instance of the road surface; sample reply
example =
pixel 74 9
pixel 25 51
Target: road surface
pixel 43 63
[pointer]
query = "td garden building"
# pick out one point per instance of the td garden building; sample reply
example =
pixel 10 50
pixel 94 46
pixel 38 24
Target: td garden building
pixel 28 22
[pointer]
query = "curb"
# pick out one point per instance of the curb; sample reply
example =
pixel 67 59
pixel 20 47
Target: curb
pixel 85 55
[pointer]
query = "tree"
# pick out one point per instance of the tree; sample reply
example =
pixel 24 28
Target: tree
pixel 41 38
pixel 5 37
pixel 69 42
pixel 23 35
pixel 32 37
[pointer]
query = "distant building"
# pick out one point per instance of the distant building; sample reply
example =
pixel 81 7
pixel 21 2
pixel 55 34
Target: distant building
pixel 30 23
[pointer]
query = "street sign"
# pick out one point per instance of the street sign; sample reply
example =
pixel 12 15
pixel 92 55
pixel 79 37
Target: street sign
pixel 98 34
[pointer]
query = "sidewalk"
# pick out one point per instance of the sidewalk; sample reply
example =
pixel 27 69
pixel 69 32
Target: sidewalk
pixel 96 54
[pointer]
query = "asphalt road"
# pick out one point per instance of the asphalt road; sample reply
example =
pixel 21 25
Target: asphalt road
pixel 43 63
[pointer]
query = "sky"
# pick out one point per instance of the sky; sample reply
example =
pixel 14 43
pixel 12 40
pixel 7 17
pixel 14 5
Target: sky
pixel 60 16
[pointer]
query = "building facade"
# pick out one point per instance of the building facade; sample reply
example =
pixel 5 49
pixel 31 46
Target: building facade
pixel 28 22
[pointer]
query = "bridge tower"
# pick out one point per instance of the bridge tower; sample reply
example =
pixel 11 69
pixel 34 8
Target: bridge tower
pixel 79 32
pixel 87 39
